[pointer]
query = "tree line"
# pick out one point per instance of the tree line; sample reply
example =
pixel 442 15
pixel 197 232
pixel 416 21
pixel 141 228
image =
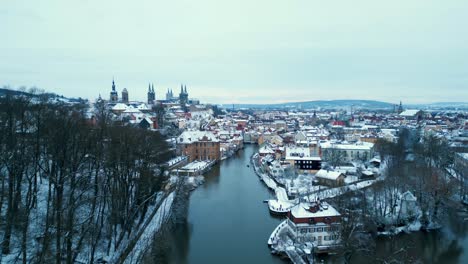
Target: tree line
pixel 72 189
pixel 421 164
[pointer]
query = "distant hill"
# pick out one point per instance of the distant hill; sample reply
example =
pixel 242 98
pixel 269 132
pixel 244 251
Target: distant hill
pixel 54 97
pixel 4 91
pixel 324 104
pixel 355 104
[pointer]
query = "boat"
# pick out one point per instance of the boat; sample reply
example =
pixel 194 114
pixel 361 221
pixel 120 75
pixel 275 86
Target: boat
pixel 279 207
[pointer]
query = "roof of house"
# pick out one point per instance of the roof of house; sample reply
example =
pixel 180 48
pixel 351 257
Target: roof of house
pixel 410 112
pixel 194 136
pixel 347 146
pixel 143 107
pixel 302 211
pixel 131 110
pixel 329 175
pixel 266 150
pixel 120 107
pixel 299 153
pixel 148 120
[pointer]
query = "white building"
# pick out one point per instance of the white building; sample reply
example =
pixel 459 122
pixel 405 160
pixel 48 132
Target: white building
pixel 316 222
pixel 360 151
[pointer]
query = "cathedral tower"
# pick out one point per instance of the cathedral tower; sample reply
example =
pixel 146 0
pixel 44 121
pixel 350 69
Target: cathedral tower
pixel 114 96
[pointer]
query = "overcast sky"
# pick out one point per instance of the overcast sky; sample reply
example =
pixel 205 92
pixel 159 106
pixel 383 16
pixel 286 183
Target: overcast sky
pixel 243 51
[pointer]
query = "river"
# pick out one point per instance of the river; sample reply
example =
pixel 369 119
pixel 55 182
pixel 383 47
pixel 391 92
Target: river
pixel 227 219
pixel 228 223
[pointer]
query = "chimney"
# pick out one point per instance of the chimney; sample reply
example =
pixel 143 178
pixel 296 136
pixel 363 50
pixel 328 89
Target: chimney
pixel 314 207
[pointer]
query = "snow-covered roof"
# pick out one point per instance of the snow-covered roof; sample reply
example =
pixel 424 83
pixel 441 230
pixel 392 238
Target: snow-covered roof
pixel 131 110
pixel 329 175
pixel 409 112
pixel 176 160
pixel 302 211
pixel 196 165
pixel 120 107
pixel 195 136
pixel 143 107
pixel 266 150
pixel 148 120
pixel 347 146
pixel 297 152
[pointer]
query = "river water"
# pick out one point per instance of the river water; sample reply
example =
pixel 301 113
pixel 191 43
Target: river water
pixel 228 223
pixel 227 219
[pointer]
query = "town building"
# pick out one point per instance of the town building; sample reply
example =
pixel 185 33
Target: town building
pixel 330 178
pixel 302 160
pixel 359 151
pixel 412 114
pixel 199 145
pixel 315 222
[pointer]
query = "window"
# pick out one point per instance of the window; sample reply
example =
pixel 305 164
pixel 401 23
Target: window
pixel 319 229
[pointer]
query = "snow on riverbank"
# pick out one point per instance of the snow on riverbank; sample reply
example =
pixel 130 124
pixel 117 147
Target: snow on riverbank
pixel 410 227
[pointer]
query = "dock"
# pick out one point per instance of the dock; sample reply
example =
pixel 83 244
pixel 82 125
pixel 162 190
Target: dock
pixel 294 256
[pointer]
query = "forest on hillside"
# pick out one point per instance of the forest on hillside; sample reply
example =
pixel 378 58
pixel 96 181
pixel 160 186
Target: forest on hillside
pixel 72 190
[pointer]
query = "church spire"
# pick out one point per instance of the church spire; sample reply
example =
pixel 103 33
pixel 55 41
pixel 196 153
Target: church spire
pixel 113 84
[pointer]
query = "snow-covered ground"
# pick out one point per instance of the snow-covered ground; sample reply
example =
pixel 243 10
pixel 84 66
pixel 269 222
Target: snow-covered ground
pixel 413 226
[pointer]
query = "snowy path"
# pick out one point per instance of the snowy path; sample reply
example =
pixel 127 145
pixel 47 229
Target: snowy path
pixel 142 239
pixel 274 237
pixel 146 239
pixel 281 204
pixel 268 181
pixel 281 194
pixel 330 193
